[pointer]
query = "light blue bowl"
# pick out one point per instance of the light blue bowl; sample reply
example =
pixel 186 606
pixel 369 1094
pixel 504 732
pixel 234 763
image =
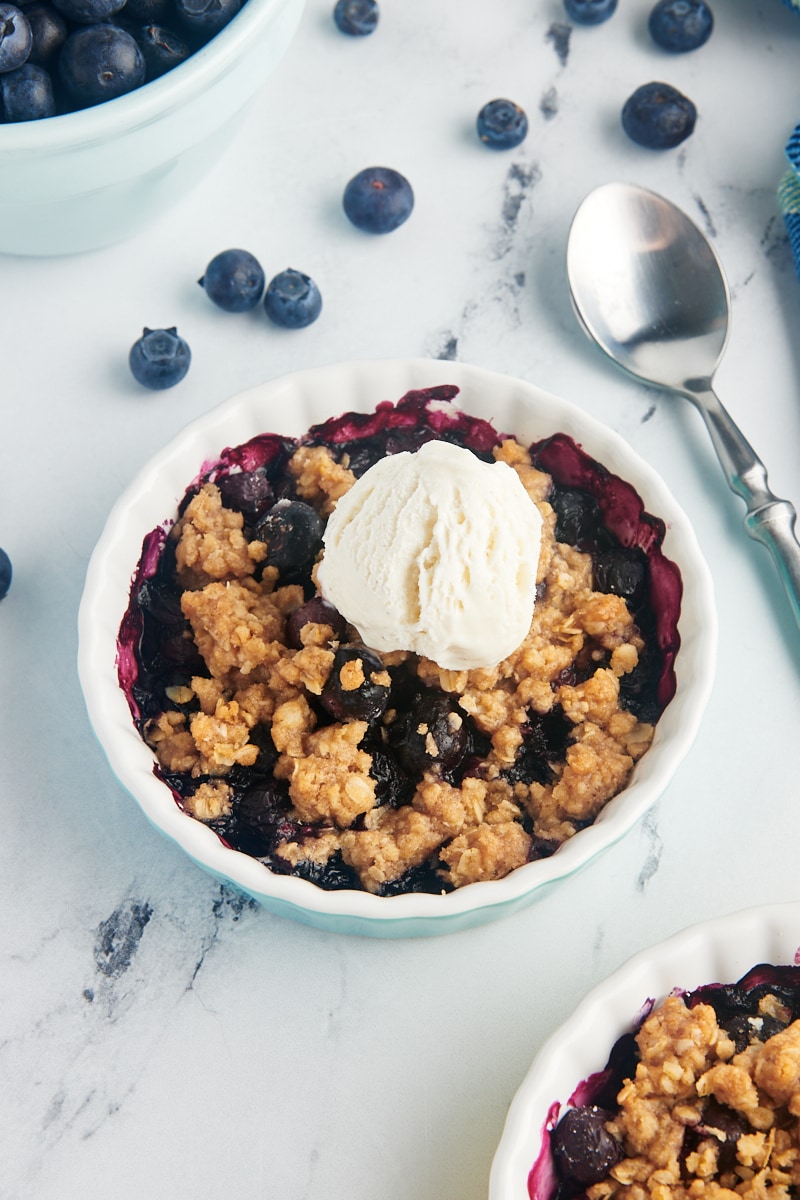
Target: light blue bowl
pixel 289 405
pixel 87 179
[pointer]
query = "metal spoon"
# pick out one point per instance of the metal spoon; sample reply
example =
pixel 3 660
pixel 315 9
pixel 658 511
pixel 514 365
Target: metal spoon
pixel 648 288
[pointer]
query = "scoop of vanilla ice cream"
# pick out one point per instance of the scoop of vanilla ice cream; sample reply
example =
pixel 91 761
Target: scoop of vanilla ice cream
pixel 435 552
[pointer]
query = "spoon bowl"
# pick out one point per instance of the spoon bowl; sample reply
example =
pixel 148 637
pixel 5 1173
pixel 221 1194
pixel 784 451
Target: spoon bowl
pixel 649 289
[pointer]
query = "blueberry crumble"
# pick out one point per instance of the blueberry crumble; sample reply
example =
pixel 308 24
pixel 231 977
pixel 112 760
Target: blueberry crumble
pixel 273 723
pixel 700 1100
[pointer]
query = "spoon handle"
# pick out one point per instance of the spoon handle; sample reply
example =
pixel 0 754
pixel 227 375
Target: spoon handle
pixel 769 520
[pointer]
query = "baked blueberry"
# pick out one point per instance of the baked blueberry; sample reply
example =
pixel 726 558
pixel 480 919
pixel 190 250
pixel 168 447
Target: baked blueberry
pixel 542 848
pixel 5 574
pixel 577 515
pixel 430 735
pixel 725 1126
pixel 260 819
pixel 247 492
pixel 16 38
pixel 292 300
pixel 638 690
pixel 27 93
pixel 589 12
pixel 234 280
pixel 293 533
pixel 658 116
pixel 159 358
pixel 98 63
pixel 354 691
pixel 502 124
pixel 204 18
pixel 583 1149
pixel 622 571
pixel 356 17
pixel 161 601
pixel 161 49
pixel 392 786
pixel 424 878
pixel 315 611
pixel 49 32
pixel 545 739
pixel 378 199
pixel 334 875
pixel 680 25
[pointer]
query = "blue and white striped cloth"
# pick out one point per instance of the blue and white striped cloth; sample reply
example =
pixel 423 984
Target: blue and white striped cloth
pixel 789 195
pixel 789 187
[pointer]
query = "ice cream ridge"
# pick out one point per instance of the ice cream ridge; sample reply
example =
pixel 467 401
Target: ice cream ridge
pixel 435 552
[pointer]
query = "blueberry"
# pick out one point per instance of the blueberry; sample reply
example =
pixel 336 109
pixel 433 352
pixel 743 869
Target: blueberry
pixel 161 49
pixel 333 875
pixel 88 12
pixel 726 1126
pixel 292 300
pixel 158 12
pixel 622 571
pixel 206 17
pixel 680 25
pixel 392 786
pixel 293 533
pixel 430 735
pixel 378 199
pixel 577 515
pixel 5 574
pixel 16 38
pixel 98 63
pixel 161 601
pixel 316 611
pixel 27 94
pixel 658 116
pixel 728 1000
pixel 351 692
pixel 160 358
pixel 583 1149
pixel 638 690
pixel 356 17
pixel 542 848
pixel 248 492
pixel 502 124
pixel 49 30
pixel 234 280
pixel 545 739
pixel 424 878
pixel 589 12
pixel 741 1032
pixel 260 820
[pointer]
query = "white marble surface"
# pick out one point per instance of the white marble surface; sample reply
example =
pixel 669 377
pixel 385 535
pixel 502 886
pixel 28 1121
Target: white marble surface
pixel 158 1036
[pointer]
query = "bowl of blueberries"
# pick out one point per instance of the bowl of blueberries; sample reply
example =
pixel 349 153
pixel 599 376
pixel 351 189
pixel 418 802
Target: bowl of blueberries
pixel 715 1001
pixel 403 743
pixel 111 110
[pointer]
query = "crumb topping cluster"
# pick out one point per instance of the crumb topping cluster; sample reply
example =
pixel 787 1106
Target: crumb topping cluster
pixel 254 701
